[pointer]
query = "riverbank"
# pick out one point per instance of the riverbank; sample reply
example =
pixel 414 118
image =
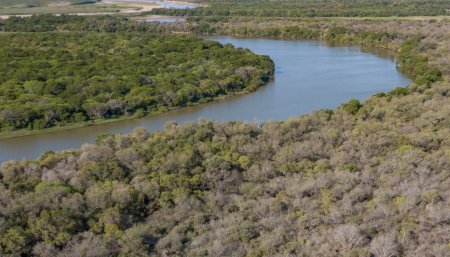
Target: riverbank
pixel 371 172
pixel 310 75
pixel 26 132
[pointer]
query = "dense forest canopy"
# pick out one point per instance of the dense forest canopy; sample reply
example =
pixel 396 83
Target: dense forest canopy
pixel 366 179
pixel 63 78
pixel 76 23
pixel 409 61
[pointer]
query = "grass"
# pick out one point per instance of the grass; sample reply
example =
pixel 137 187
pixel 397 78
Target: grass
pixel 9 3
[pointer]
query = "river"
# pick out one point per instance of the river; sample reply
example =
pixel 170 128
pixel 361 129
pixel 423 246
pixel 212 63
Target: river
pixel 310 75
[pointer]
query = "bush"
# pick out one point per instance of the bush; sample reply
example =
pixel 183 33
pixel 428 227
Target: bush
pixel 352 106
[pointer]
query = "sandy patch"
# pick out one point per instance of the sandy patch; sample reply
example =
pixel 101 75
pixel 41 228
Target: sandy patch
pixel 133 6
pixel 137 7
pixel 187 3
pixel 4 17
pixel 59 4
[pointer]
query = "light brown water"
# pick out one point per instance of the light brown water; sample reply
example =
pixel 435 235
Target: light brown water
pixel 310 75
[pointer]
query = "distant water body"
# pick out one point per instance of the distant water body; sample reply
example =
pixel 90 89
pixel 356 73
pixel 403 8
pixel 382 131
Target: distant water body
pixel 309 75
pixel 163 19
pixel 163 4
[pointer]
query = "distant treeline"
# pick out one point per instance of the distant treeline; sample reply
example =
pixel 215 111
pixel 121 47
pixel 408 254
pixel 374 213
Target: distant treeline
pixel 47 23
pixel 330 3
pixel 415 65
pixel 317 8
pixel 53 79
pixel 301 12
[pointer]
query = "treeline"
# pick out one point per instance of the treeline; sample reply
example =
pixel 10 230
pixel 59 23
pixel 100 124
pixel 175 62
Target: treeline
pixel 278 32
pixel 56 79
pixel 321 8
pixel 102 23
pixel 329 3
pixel 293 12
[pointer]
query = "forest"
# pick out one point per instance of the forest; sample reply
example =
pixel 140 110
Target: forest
pixel 315 8
pixel 65 78
pixel 366 179
pixel 75 23
pixel 351 182
pixel 415 65
pixel 369 178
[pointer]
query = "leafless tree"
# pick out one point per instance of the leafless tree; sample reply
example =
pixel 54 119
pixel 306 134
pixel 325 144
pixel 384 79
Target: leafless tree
pixel 349 237
pixel 384 246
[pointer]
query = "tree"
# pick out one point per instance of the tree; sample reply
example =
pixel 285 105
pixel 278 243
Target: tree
pixel 384 246
pixel 349 238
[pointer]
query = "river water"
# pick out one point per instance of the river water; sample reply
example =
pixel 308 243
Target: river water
pixel 310 75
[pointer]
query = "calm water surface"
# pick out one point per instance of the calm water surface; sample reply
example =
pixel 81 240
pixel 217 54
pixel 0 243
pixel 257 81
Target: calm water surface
pixel 310 75
pixel 163 4
pixel 165 19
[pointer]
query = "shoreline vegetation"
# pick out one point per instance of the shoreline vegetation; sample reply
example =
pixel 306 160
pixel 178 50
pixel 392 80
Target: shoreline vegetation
pixel 68 78
pixel 318 8
pixel 330 34
pixel 303 186
pixel 25 132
